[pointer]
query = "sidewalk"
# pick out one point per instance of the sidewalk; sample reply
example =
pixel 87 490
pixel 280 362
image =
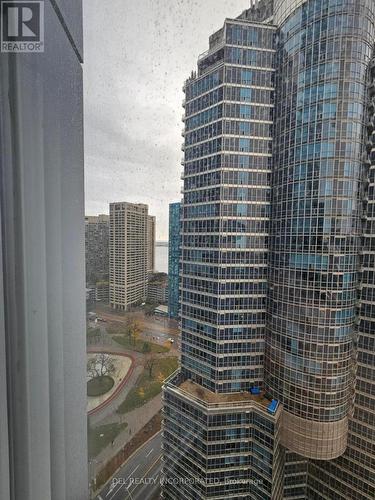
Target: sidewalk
pixel 123 368
pixel 136 420
pixel 104 415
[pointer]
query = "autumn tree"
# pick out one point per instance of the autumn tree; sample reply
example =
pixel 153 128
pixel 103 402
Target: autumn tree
pixel 135 331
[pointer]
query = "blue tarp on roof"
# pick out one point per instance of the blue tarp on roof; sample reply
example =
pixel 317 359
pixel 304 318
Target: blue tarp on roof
pixel 272 407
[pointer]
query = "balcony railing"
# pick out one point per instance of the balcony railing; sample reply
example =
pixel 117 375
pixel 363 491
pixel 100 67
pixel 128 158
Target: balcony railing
pixel 215 48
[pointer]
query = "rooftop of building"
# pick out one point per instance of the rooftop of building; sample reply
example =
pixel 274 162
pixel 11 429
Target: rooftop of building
pixel 158 279
pixel 259 11
pixel 259 14
pixel 162 310
pixel 127 204
pixel 97 218
pixel 207 396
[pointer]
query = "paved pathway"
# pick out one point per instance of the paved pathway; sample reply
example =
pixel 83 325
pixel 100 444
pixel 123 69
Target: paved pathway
pixel 136 420
pixel 100 417
pixel 123 366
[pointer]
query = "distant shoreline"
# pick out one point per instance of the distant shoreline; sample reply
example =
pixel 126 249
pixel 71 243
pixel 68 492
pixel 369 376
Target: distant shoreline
pixel 161 257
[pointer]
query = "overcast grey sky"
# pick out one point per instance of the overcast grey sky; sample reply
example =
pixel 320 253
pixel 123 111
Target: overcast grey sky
pixel 137 55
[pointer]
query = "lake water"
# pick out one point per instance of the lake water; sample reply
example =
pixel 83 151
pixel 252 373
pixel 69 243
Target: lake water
pixel 161 259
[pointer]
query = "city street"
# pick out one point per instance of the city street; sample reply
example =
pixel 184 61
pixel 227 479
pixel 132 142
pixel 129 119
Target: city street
pixel 139 478
pixel 154 329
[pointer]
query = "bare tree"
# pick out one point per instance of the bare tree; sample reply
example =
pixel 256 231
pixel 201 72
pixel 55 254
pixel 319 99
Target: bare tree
pixel 100 365
pixel 150 362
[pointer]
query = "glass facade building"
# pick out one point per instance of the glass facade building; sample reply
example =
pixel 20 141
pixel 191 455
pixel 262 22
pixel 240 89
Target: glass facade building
pixel 352 474
pixel 220 440
pixel 174 256
pixel 277 267
pixel 225 213
pixel 219 445
pixel 324 49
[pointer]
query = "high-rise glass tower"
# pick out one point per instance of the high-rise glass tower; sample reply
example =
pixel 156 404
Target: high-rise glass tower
pixel 174 255
pixel 352 474
pixel 216 431
pixel 276 278
pixel 324 49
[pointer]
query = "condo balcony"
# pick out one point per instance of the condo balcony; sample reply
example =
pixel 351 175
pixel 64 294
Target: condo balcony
pixel 367 161
pixel 211 51
pixel 216 41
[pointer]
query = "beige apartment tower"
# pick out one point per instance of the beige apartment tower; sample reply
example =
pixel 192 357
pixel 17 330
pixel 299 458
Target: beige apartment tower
pixel 151 226
pixel 128 254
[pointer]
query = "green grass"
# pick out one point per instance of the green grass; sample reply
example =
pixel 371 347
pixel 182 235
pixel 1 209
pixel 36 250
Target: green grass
pixel 146 387
pixel 99 385
pixel 137 346
pixel 96 442
pixel 117 328
pixel 92 332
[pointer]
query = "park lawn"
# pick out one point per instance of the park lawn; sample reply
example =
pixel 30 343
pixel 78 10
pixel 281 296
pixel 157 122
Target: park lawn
pixel 146 388
pixel 137 345
pixel 96 442
pixel 99 385
pixel 92 332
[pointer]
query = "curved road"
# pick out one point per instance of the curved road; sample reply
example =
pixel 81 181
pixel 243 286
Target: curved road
pixel 139 477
